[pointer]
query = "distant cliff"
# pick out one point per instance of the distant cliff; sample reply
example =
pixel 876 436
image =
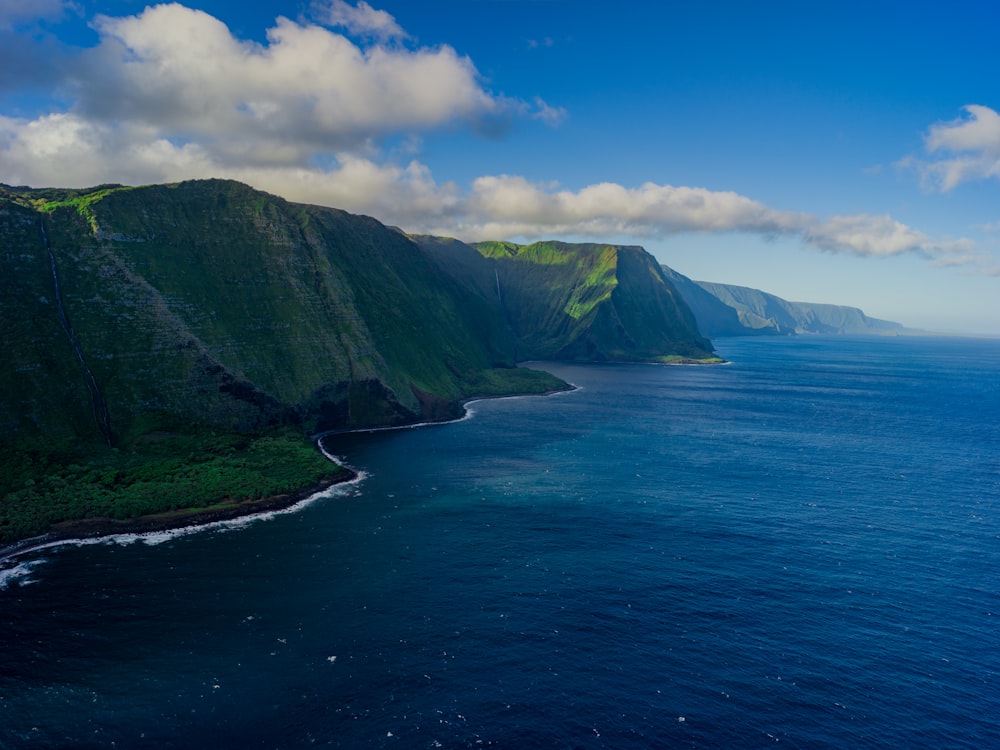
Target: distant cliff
pixel 727 310
pixel 582 302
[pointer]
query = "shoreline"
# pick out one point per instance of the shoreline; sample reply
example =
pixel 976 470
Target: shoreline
pixel 464 414
pixel 95 529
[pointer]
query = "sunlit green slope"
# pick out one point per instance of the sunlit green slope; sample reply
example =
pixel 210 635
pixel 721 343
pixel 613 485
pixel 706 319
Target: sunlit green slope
pixel 584 302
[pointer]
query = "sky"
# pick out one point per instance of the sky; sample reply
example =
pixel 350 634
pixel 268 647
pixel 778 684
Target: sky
pixel 840 152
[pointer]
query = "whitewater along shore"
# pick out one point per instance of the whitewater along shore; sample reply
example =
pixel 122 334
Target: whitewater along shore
pixel 95 528
pixel 91 529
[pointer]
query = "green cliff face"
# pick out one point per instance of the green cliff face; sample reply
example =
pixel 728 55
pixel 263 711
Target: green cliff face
pixel 584 302
pixel 170 346
pixel 208 308
pixel 214 301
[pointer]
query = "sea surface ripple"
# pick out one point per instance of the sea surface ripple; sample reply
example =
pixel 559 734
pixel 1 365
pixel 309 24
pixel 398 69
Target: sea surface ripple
pixel 801 549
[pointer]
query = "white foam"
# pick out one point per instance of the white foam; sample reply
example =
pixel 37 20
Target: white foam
pixel 19 574
pixel 153 538
pixel 468 413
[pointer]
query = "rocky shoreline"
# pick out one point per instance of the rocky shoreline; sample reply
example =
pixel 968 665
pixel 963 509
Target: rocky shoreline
pixel 94 528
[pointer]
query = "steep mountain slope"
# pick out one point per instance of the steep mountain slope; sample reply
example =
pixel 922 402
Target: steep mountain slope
pixel 577 301
pixel 728 310
pixel 714 317
pixel 135 314
pixel 215 301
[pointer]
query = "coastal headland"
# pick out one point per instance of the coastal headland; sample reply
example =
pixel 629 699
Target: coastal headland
pixel 170 348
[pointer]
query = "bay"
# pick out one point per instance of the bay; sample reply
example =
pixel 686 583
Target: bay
pixel 799 548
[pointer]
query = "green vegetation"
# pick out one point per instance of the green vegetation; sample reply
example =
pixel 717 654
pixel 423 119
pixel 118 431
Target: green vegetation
pixel 82 202
pixel 199 331
pixel 587 302
pixel 591 302
pixel 503 382
pixel 492 248
pixel 48 480
pixel 232 313
pixel 48 200
pixel 597 287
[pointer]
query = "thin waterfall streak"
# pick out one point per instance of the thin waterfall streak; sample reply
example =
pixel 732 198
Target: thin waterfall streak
pixel 98 403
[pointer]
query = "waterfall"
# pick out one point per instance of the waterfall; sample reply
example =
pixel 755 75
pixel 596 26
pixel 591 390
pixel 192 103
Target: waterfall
pixel 100 406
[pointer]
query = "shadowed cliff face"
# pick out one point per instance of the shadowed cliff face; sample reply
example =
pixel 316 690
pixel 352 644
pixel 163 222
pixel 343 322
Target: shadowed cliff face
pixel 218 303
pixel 584 302
pixel 168 347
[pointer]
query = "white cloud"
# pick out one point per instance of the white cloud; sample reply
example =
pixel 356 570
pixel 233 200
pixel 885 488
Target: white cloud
pixel 68 150
pixel 507 205
pixel 980 132
pixel 307 89
pixel 170 94
pixel 964 149
pixel 406 196
pixel 550 115
pixel 362 19
pixel 65 150
pixel 175 84
pixel 878 236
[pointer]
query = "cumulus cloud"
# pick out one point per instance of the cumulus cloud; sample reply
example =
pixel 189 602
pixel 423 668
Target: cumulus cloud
pixel 183 72
pixel 361 20
pixel 174 83
pixel 878 236
pixel 171 94
pixel 65 149
pixel 962 150
pixel 510 205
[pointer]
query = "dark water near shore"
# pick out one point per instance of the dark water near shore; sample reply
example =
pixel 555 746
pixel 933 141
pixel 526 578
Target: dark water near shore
pixel 799 549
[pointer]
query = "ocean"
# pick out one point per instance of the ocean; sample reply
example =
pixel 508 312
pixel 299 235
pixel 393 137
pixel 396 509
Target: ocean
pixel 798 549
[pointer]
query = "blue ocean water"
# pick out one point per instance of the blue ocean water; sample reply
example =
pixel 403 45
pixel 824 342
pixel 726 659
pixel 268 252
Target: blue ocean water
pixel 800 548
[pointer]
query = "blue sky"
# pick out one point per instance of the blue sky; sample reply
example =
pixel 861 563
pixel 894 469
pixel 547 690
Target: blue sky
pixel 828 152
